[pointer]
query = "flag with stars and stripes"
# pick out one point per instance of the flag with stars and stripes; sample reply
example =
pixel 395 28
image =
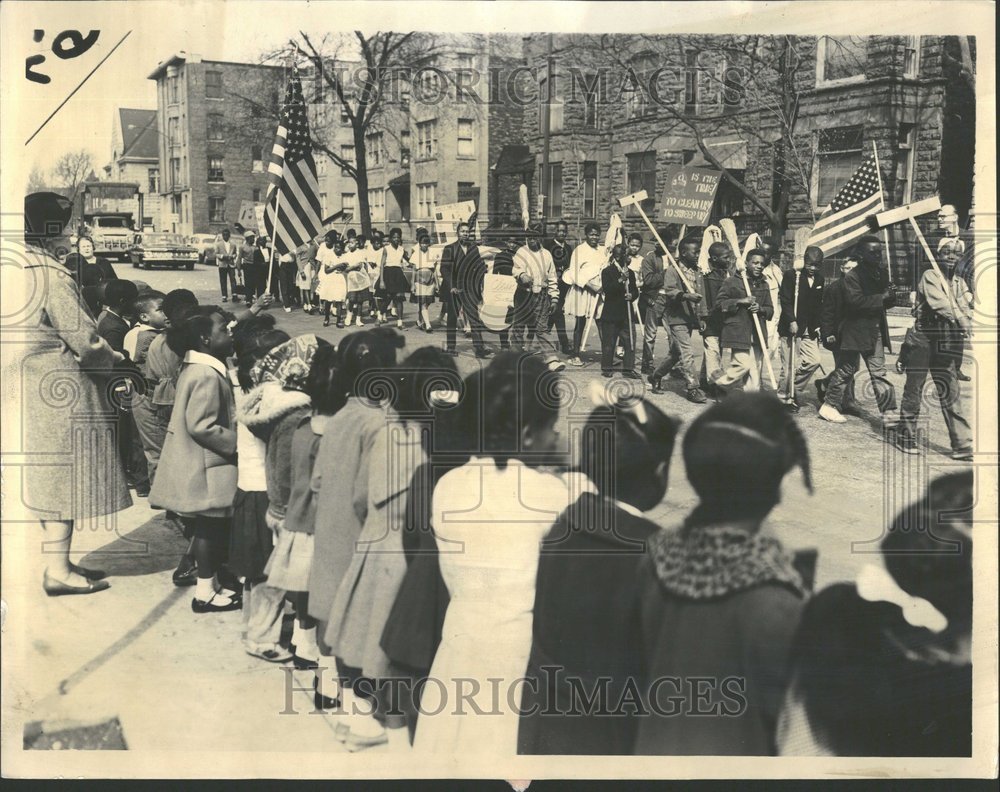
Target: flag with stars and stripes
pixel 292 214
pixel 845 220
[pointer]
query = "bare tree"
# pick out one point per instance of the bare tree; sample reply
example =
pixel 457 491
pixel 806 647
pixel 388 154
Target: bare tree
pixel 71 171
pixel 749 86
pixel 36 180
pixel 364 80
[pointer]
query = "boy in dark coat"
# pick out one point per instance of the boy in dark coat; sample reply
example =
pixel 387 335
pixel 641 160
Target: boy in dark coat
pixel 617 322
pixel 586 616
pixel 831 315
pixel 801 297
pixel 867 293
pixel 739 331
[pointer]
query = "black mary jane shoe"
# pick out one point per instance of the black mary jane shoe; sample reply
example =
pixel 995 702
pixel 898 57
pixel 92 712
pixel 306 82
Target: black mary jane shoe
pixel 200 606
pixel 302 664
pixel 185 575
pixel 656 383
pixel 56 588
pixel 324 702
pixel 90 574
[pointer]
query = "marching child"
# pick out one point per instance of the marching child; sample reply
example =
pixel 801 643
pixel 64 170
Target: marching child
pixel 739 331
pixel 358 282
pixel 425 280
pixel 393 281
pixel 617 321
pixel 330 267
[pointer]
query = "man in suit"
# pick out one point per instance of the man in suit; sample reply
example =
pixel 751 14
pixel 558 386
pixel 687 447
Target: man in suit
pixel 800 319
pixel 462 274
pixel 867 293
pixel 225 259
pixel 561 251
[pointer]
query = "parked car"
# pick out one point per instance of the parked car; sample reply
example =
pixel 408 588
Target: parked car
pixel 205 243
pixel 162 250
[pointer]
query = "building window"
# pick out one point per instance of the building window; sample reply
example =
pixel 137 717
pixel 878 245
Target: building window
pixel 426 139
pixel 906 146
pixel 425 200
pixel 840 155
pixel 257 159
pixel 552 185
pixel 175 172
pixel 154 180
pixel 428 78
pixel 692 87
pixel 175 205
pixel 468 191
pixel 344 117
pixel 729 200
pixel 347 203
pixel 729 86
pixel 641 170
pixel 373 149
pixel 911 56
pixel 215 127
pixel 213 85
pixel 404 148
pixel 590 101
pixel 465 61
pixel 590 189
pixel 376 203
pixel 321 165
pixel 466 144
pixel 256 195
pixel 841 58
pixel 553 103
pixel 216 209
pixel 322 203
pixel 636 104
pixel 347 155
pixel 215 169
pixel 173 131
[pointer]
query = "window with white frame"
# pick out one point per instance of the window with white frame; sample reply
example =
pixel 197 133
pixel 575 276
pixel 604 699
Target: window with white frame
pixel 175 172
pixel 427 139
pixel 216 209
pixel 428 77
pixel 173 131
pixel 841 59
pixel 154 180
pixel 839 155
pixel 404 148
pixel 347 203
pixel 466 144
pixel 215 169
pixel 906 143
pixel 214 127
pixel 590 98
pixel 636 100
pixel 425 200
pixel 589 189
pixel 641 170
pixel 322 203
pixel 257 159
pixel 552 102
pixel 552 188
pixel 213 85
pixel 373 146
pixel 911 56
pixel 376 203
pixel 347 155
pixel 692 82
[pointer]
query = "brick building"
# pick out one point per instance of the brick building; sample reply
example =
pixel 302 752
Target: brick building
pixel 624 108
pixel 213 144
pixel 135 158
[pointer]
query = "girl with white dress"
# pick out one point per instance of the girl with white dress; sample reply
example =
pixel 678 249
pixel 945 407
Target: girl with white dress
pixel 358 281
pixel 488 518
pixel 332 287
pixel 425 280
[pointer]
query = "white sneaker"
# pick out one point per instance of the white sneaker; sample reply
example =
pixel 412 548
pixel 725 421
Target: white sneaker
pixel 831 414
pixel 358 322
pixel 288 309
pixel 399 323
pixel 350 318
pixel 575 361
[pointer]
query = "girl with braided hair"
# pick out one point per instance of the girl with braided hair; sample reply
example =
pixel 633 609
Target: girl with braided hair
pixel 488 517
pixel 720 596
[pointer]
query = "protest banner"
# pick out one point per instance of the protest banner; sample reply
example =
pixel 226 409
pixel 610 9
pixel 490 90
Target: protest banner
pixel 447 216
pixel 689 195
pixel 498 297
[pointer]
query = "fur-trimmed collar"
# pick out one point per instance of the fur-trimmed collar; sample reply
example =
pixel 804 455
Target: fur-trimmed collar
pixel 267 403
pixel 708 561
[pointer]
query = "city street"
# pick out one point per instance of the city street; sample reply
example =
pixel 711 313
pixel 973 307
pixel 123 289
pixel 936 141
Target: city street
pixel 190 685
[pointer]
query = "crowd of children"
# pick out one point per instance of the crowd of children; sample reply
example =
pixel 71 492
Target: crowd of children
pixel 450 560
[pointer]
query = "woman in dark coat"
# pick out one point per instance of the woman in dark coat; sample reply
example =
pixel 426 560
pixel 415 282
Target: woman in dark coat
pixel 720 597
pixel 586 616
pixel 58 375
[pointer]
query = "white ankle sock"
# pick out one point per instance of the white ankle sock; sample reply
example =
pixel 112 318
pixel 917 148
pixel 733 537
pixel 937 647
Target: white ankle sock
pixel 204 589
pixel 305 642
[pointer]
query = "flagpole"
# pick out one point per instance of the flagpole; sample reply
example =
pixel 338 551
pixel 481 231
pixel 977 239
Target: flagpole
pixel 270 263
pixel 881 198
pixel 885 241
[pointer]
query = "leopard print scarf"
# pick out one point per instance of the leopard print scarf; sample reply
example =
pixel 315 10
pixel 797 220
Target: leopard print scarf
pixel 703 562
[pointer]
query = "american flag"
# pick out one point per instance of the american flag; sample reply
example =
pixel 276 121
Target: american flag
pixel 845 220
pixel 292 214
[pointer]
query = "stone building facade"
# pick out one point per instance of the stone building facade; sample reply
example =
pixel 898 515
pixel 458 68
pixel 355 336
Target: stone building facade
pixel 213 146
pixel 625 108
